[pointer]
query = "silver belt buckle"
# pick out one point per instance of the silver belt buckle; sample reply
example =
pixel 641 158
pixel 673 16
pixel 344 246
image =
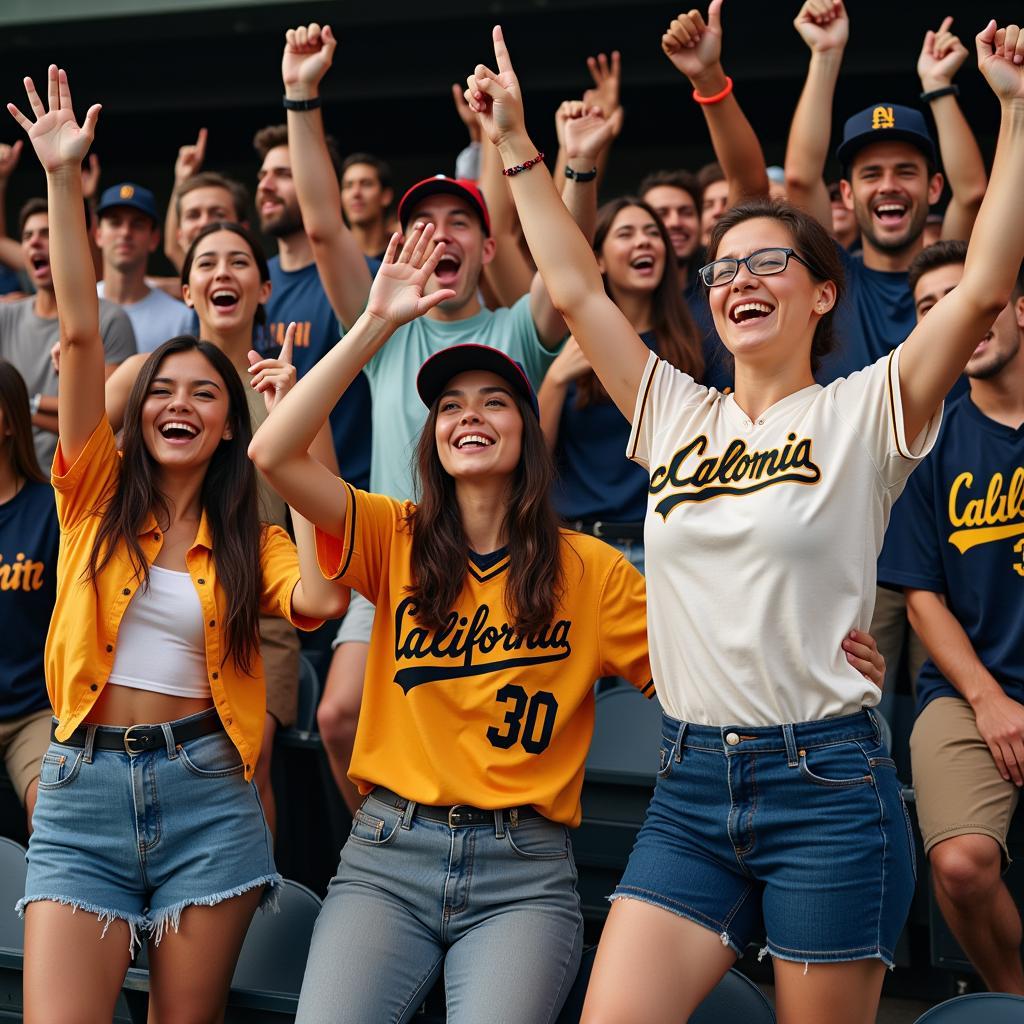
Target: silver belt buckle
pixel 453 811
pixel 129 740
pixel 598 529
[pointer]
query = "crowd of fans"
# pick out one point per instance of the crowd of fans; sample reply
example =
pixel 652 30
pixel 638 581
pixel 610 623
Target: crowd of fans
pixel 487 257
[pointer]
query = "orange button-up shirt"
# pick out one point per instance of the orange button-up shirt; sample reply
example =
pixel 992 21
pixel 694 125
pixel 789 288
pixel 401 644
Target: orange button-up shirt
pixel 83 630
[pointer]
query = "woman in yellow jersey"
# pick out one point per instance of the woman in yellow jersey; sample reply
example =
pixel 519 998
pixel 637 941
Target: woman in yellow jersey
pixel 777 810
pixel 150 830
pixel 492 624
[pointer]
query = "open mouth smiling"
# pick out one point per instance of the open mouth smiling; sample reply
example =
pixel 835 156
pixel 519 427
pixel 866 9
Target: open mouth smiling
pixel 744 312
pixel 470 441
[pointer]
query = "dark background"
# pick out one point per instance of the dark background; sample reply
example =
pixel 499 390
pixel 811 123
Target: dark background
pixel 162 76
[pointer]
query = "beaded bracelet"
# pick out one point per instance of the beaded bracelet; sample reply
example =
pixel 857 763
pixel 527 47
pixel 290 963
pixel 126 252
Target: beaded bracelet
pixel 510 172
pixel 707 101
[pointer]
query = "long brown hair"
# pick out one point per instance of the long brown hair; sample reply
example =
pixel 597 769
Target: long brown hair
pixel 228 497
pixel 440 551
pixel 19 449
pixel 677 337
pixel 810 240
pixel 249 238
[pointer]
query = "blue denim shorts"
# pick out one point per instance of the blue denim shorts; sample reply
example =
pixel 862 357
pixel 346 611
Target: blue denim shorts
pixel 139 838
pixel 798 832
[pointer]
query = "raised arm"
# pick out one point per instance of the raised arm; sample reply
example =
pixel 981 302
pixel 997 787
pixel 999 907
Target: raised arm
pixel 308 53
pixel 825 28
pixel 189 162
pixel 60 144
pixel 564 258
pixel 281 446
pixel 11 254
pixel 938 349
pixel 941 58
pixel 570 364
pixel 695 48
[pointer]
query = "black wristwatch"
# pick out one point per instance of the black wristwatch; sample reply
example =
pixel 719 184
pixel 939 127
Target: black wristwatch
pixel 580 176
pixel 300 104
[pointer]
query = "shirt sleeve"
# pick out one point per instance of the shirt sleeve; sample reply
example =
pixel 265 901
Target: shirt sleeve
pixel 623 631
pixel 360 558
pixel 869 401
pixel 911 556
pixel 279 564
pixel 83 487
pixel 524 342
pixel 664 391
pixel 118 335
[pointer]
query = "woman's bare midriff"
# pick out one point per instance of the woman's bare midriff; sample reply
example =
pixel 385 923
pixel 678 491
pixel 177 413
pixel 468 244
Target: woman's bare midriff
pixel 123 706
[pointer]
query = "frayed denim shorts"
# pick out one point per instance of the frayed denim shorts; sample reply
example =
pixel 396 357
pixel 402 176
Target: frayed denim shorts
pixel 798 832
pixel 141 837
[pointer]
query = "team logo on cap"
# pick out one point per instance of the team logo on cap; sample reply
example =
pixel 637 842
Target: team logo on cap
pixel 127 191
pixel 882 117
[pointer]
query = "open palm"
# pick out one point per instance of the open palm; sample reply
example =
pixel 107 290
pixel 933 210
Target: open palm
pixel 399 294
pixel 57 138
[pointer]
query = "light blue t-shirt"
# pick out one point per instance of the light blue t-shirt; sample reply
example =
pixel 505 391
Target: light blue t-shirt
pixel 398 413
pixel 156 318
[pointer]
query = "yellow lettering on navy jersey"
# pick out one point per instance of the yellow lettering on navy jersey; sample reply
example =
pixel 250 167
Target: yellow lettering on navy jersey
pixel 996 515
pixel 21 574
pixel 737 471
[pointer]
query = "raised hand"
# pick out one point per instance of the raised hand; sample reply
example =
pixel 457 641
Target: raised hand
pixel 570 364
pixel 308 53
pixel 607 76
pixel 941 57
pixel 466 116
pixel 495 97
pixel 823 25
pixel 692 45
pixel 9 158
pixel 399 293
pixel 190 158
pixel 91 176
pixel 274 378
pixel 1000 56
pixel 586 132
pixel 59 141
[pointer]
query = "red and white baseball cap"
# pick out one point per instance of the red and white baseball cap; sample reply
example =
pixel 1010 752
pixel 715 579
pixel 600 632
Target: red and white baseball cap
pixel 443 185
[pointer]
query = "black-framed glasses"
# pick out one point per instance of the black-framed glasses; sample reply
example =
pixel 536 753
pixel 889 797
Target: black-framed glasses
pixel 762 263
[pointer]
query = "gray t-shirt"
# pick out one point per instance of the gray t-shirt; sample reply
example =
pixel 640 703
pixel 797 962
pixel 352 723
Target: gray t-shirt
pixel 399 415
pixel 156 318
pixel 26 340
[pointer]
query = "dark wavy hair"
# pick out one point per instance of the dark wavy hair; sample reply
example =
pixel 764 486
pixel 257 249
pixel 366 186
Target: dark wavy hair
pixel 228 497
pixel 14 405
pixel 440 551
pixel 678 340
pixel 249 238
pixel 810 240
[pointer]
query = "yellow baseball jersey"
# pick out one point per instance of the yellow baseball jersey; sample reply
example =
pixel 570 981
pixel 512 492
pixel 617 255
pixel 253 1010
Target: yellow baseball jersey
pixel 476 713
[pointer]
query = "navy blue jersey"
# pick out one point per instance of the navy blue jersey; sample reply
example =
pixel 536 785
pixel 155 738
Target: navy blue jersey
pixel 595 479
pixel 959 531
pixel 298 295
pixel 29 540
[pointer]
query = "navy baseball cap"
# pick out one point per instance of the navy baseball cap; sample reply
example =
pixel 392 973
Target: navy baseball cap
pixel 441 184
pixel 885 122
pixel 442 366
pixel 128 194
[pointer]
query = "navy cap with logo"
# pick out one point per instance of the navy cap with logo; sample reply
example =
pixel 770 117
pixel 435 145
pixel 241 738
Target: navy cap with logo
pixel 128 194
pixel 443 185
pixel 885 122
pixel 442 366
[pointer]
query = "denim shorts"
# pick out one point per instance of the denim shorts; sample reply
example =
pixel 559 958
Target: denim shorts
pixel 798 832
pixel 492 906
pixel 139 838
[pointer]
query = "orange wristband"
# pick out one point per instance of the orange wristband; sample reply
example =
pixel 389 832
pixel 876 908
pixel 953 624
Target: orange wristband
pixel 706 101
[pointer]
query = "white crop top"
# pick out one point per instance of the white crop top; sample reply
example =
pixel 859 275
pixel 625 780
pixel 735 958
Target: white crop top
pixel 160 645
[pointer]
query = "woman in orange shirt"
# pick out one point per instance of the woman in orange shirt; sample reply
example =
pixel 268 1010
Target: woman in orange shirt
pixel 154 831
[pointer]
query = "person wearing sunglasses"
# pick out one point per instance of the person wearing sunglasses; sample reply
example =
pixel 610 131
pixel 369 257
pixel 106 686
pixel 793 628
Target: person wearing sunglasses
pixel 777 809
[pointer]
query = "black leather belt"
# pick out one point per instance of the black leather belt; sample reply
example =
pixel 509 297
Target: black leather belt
pixel 610 531
pixel 138 739
pixel 456 815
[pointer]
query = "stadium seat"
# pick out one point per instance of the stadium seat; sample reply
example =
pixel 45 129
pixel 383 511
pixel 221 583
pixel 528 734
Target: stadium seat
pixel 734 1000
pixel 978 1007
pixel 12 887
pixel 309 695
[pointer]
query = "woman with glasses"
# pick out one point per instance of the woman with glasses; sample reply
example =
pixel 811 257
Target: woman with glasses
pixel 777 808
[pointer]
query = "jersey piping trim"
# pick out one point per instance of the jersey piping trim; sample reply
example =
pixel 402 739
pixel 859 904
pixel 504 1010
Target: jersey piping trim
pixel 490 574
pixel 648 689
pixel 643 409
pixel 350 540
pixel 895 427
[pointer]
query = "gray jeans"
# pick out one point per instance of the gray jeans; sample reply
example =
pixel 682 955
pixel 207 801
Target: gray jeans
pixel 494 905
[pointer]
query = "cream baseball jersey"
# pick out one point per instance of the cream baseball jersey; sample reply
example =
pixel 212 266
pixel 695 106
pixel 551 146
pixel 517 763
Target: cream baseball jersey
pixel 476 713
pixel 762 538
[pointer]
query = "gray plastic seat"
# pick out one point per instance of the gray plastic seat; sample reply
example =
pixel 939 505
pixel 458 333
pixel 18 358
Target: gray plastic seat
pixel 12 887
pixel 627 731
pixel 273 957
pixel 309 696
pixel 990 1007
